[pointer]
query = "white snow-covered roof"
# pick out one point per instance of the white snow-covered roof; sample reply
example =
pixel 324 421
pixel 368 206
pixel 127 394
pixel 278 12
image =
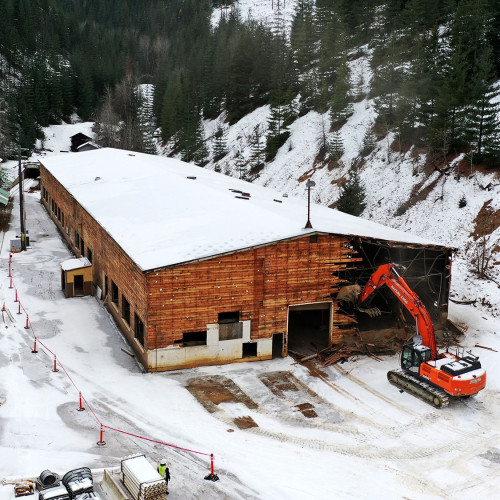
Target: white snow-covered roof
pixel 162 211
pixel 71 264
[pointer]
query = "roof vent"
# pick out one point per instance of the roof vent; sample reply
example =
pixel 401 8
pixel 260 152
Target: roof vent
pixel 130 154
pixel 243 197
pixel 97 179
pixel 285 195
pixel 278 201
pixel 192 177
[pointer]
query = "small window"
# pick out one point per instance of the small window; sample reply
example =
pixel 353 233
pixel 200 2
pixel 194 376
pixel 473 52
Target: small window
pixel 313 238
pixel 229 317
pixel 114 293
pixel 62 219
pixel 89 255
pixel 82 246
pixel 249 349
pixel 139 329
pixel 190 339
pixel 125 310
pixel 77 239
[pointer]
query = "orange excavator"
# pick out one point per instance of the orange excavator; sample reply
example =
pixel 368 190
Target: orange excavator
pixel 425 373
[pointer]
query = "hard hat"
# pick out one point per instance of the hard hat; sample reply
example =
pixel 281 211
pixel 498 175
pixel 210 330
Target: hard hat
pixel 163 462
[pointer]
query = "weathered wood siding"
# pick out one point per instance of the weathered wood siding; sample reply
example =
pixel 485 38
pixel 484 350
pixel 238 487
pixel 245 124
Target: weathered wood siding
pixel 260 283
pixel 107 256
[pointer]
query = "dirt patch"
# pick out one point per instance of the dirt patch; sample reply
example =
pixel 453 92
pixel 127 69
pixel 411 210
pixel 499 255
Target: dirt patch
pixel 245 422
pixel 307 410
pixel 210 391
pixel 486 221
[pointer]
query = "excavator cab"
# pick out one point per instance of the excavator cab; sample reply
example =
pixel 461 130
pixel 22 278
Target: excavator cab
pixel 413 356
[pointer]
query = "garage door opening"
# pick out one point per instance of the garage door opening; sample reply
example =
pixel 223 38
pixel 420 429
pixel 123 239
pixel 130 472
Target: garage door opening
pixel 309 327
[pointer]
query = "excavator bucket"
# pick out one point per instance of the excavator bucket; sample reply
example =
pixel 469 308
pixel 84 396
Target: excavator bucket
pixel 349 293
pixel 373 312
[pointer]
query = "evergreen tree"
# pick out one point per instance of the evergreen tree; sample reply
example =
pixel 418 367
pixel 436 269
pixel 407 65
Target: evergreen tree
pixel 369 142
pixel 220 144
pixel 257 150
pixel 482 125
pixel 336 146
pixel 277 130
pixel 353 195
pixel 340 106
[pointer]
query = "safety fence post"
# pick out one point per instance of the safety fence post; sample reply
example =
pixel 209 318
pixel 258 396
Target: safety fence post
pixel 81 407
pixel 27 327
pixel 55 364
pixel 101 442
pixel 10 270
pixel 3 308
pixel 212 476
pixel 17 297
pixel 11 284
pixel 19 308
pixel 34 351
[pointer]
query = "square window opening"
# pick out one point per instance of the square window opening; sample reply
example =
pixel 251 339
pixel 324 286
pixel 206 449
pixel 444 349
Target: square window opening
pixel 114 293
pixel 125 310
pixel 190 339
pixel 249 349
pixel 229 317
pixel 139 329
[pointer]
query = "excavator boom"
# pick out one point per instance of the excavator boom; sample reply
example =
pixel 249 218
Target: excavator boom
pixel 387 275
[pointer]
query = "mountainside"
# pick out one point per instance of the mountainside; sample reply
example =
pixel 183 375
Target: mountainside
pixel 390 106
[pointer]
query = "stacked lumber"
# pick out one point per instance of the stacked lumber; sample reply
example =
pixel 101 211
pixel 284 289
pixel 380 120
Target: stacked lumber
pixel 141 479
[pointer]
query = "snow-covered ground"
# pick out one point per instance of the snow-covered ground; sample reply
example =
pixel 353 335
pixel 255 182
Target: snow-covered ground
pixel 368 440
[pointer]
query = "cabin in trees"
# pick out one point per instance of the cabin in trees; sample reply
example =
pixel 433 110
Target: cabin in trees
pixel 198 268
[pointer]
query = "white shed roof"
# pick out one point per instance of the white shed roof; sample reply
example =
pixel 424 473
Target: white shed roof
pixel 161 217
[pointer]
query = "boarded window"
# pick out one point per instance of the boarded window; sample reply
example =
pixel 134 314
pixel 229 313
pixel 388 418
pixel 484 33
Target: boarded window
pixel 229 317
pixel 139 329
pixel 125 310
pixel 313 238
pixel 190 339
pixel 89 255
pixel 82 246
pixel 230 331
pixel 114 293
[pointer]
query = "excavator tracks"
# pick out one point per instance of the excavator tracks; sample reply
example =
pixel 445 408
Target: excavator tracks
pixel 426 392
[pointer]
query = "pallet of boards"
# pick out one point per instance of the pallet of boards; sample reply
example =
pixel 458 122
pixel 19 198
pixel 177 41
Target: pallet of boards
pixel 141 479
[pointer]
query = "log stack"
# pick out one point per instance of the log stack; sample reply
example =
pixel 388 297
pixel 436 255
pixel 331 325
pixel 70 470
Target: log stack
pixel 141 479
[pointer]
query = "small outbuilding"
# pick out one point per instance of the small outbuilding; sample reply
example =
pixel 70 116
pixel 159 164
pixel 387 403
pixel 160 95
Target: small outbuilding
pixel 78 139
pixel 76 277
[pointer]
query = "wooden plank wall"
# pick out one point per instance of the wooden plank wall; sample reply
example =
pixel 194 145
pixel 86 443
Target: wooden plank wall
pixel 260 283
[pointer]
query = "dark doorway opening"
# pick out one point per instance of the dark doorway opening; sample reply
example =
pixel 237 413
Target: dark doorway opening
pixel 277 345
pixel 78 283
pixel 309 327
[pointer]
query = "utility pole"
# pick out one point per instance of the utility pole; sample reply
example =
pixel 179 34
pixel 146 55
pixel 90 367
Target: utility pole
pixel 21 203
pixel 309 185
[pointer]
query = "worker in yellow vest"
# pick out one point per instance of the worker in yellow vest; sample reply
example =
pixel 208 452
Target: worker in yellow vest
pixel 164 472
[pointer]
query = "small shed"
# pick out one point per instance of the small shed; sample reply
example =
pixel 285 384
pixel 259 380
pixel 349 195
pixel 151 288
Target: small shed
pixel 76 277
pixel 78 139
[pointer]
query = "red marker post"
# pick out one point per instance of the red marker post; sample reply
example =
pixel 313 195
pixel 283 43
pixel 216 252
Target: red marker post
pixel 101 442
pixel 81 407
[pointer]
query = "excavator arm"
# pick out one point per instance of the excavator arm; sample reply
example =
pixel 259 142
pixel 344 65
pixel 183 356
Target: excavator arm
pixel 387 275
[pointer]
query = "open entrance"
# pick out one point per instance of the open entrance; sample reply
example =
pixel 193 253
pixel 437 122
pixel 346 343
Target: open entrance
pixel 78 283
pixel 277 345
pixel 308 327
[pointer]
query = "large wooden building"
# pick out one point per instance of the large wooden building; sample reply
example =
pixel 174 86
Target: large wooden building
pixel 199 268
